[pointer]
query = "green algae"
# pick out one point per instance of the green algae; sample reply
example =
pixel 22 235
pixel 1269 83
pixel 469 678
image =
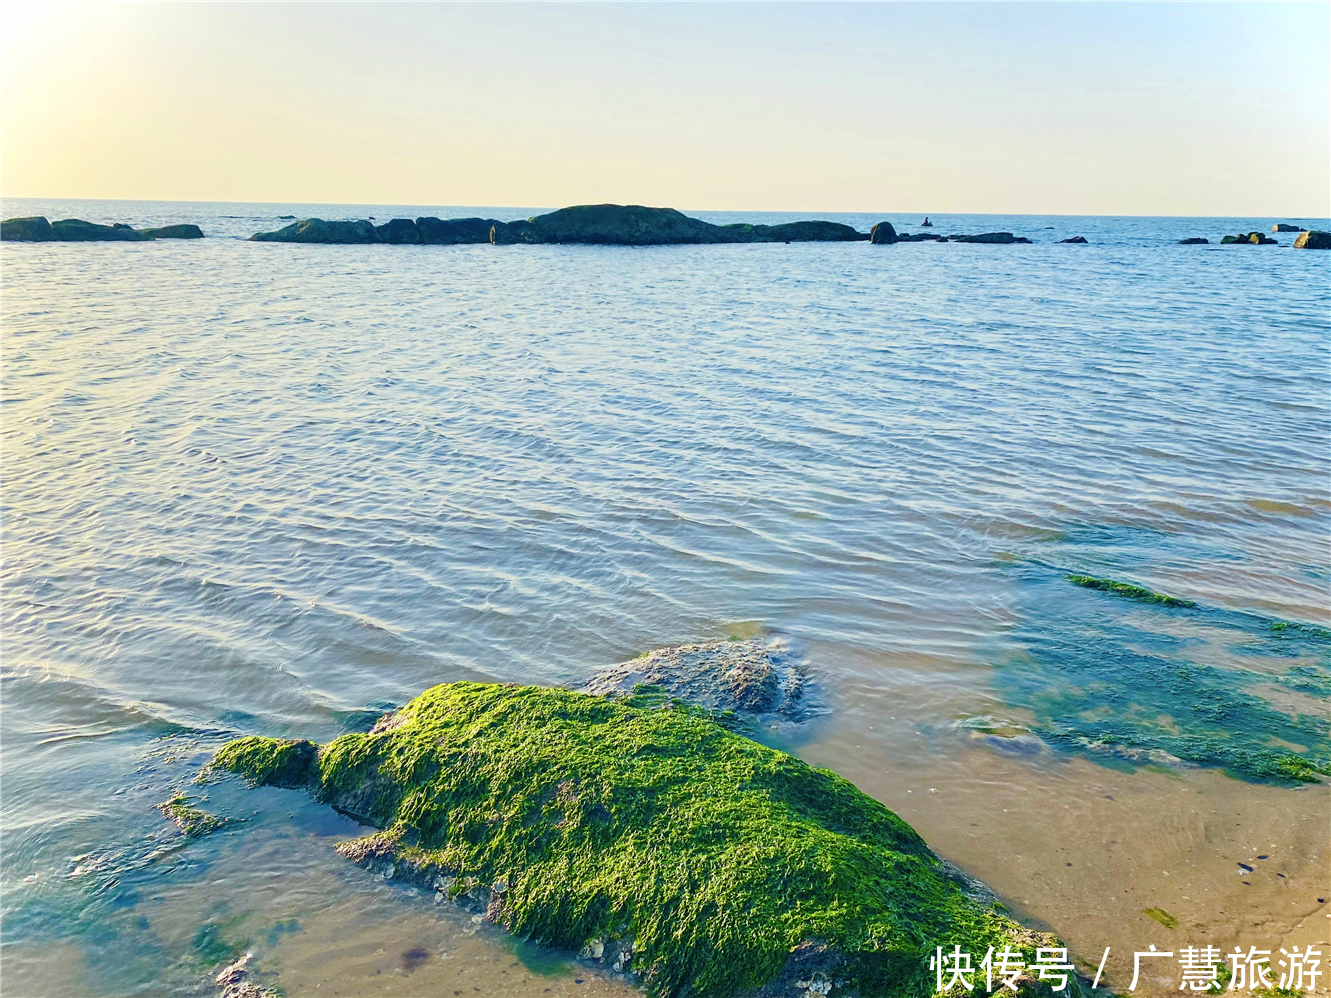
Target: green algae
pixel 1161 916
pixel 190 819
pixel 1128 590
pixel 714 857
pixel 1199 687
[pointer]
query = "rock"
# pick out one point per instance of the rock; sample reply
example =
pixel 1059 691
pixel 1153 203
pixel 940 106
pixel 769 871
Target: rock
pixel 234 981
pixel 1074 239
pixel 1286 227
pixel 189 819
pixel 1194 241
pixel 507 233
pixel 650 829
pixel 792 232
pixel 399 230
pixel 185 230
pixel 77 230
pixel 1313 239
pixel 35 229
pixel 990 237
pixel 316 230
pixel 454 231
pixel 637 225
pixel 1254 238
pixel 754 676
pixel 920 237
pixel 883 234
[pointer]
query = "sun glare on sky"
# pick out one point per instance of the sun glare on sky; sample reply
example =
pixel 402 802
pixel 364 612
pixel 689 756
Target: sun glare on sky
pixel 1058 108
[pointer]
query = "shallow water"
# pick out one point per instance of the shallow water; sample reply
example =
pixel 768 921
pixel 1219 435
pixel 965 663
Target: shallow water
pixel 278 489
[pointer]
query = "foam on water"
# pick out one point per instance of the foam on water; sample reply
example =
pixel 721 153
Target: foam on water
pixel 277 489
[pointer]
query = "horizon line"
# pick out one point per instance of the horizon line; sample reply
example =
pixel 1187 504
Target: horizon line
pixel 783 211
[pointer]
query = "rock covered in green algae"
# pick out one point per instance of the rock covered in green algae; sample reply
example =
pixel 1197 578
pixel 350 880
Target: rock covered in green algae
pixel 1313 239
pixel 702 861
pixel 190 819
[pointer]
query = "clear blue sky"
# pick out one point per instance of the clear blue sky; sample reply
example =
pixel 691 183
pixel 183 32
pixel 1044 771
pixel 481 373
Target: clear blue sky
pixel 1062 108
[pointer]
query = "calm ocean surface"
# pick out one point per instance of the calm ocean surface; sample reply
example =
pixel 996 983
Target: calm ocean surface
pixel 278 489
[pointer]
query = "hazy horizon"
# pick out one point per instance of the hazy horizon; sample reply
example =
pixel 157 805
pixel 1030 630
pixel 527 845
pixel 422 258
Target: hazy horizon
pixel 1141 110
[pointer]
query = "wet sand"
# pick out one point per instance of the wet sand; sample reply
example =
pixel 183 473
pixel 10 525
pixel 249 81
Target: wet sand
pixel 1084 849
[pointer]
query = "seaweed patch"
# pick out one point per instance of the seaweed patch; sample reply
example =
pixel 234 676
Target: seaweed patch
pixel 1167 689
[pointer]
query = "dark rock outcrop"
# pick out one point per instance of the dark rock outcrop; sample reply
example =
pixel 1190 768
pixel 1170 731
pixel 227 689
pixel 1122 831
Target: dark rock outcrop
pixel 990 237
pixel 1074 239
pixel 637 225
pixel 316 230
pixel 1194 241
pixel 399 230
pixel 1286 227
pixel 1313 239
pixel 184 230
pixel 1253 238
pixel 27 230
pixel 883 234
pixel 920 237
pixel 76 230
pixel 454 231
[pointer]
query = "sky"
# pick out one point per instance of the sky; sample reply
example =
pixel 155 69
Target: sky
pixel 1087 108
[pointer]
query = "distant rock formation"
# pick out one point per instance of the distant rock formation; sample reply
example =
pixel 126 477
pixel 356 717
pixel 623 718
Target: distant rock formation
pixel 399 230
pixel 883 234
pixel 185 230
pixel 1074 239
pixel 990 237
pixel 455 231
pixel 1255 238
pixel 1313 239
pixel 1194 241
pixel 75 230
pixel 316 230
pixel 28 230
pixel 920 237
pixel 599 224
pixel 1286 227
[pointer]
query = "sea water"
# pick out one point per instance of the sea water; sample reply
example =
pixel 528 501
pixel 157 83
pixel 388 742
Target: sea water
pixel 255 488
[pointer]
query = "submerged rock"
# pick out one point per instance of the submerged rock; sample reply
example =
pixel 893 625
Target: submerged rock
pixel 1194 241
pixel 883 234
pixel 1286 227
pixel 752 676
pixel 1074 239
pixel 695 859
pixel 990 237
pixel 316 230
pixel 235 981
pixel 189 819
pixel 1313 239
pixel 35 229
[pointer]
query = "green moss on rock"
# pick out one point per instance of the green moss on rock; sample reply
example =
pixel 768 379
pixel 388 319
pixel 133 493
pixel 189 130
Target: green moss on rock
pixel 190 819
pixel 712 862
pixel 276 762
pixel 1128 590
